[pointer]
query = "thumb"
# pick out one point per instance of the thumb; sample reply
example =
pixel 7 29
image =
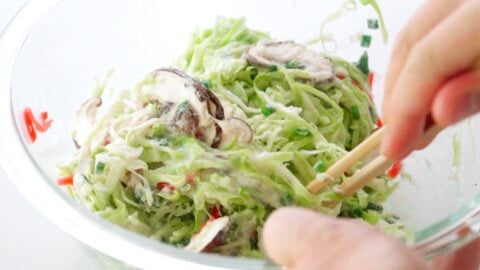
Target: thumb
pixel 457 99
pixel 291 234
pixel 302 239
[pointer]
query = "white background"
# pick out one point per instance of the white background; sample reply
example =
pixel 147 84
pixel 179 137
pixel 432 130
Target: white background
pixel 28 241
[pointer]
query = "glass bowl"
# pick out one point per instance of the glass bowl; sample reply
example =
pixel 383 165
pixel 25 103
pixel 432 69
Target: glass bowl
pixel 52 52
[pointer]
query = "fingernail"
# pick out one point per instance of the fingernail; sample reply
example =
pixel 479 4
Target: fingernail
pixel 385 147
pixel 400 139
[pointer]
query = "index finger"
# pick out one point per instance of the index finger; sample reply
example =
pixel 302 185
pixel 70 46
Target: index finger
pixel 449 48
pixel 425 19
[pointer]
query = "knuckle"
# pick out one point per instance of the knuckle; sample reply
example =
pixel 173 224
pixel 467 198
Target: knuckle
pixel 403 43
pixel 426 57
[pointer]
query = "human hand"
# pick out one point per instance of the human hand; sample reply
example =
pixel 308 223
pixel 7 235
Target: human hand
pixel 433 71
pixel 302 239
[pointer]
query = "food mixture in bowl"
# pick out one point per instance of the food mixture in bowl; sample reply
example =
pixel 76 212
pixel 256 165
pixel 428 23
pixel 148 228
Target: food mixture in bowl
pixel 198 155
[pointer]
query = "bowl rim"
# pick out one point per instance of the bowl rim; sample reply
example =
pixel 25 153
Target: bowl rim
pixel 450 233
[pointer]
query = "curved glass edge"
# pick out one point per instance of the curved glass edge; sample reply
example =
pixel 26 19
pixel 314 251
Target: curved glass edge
pixel 451 233
pixel 454 240
pixel 12 145
pixel 431 242
pixel 63 210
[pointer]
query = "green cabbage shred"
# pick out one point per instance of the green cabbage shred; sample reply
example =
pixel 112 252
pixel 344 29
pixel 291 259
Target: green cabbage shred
pixel 300 129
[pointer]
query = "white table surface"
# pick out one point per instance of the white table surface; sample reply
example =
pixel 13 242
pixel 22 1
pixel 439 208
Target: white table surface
pixel 28 241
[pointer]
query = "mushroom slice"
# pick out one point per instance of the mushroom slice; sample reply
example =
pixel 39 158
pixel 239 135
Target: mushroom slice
pixel 197 110
pixel 187 105
pixel 185 119
pixel 213 104
pixel 85 119
pixel 211 230
pixel 234 129
pixel 266 54
pixel 218 136
pixel 166 107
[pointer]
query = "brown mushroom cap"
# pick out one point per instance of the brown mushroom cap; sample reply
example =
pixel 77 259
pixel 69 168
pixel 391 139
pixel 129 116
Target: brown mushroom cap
pixel 235 129
pixel 218 131
pixel 185 120
pixel 198 113
pixel 211 230
pixel 214 105
pixel 316 67
pixel 89 108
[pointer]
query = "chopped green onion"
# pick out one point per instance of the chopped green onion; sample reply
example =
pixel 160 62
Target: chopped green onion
pixel 301 132
pixel 363 64
pixel 381 22
pixel 366 40
pixel 294 65
pixel 355 112
pixel 390 220
pixel 254 240
pixel 207 84
pixel 374 207
pixel 354 212
pixel 182 106
pixel 181 243
pixel 187 217
pixel 372 23
pixel 163 142
pixel 267 110
pixel 272 68
pixel 320 167
pixel 100 167
pixel 286 199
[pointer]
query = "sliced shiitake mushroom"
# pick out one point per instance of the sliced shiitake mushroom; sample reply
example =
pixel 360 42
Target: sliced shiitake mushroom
pixel 166 107
pixel 199 112
pixel 211 230
pixel 217 140
pixel 185 119
pixel 266 54
pixel 235 129
pixel 214 105
pixel 195 106
pixel 186 104
pixel 85 119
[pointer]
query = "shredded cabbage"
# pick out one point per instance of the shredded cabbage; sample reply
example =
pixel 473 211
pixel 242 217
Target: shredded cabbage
pixel 135 171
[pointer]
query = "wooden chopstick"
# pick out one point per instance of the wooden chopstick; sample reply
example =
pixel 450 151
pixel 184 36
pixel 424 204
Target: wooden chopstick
pixel 347 161
pixel 378 166
pixel 373 169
